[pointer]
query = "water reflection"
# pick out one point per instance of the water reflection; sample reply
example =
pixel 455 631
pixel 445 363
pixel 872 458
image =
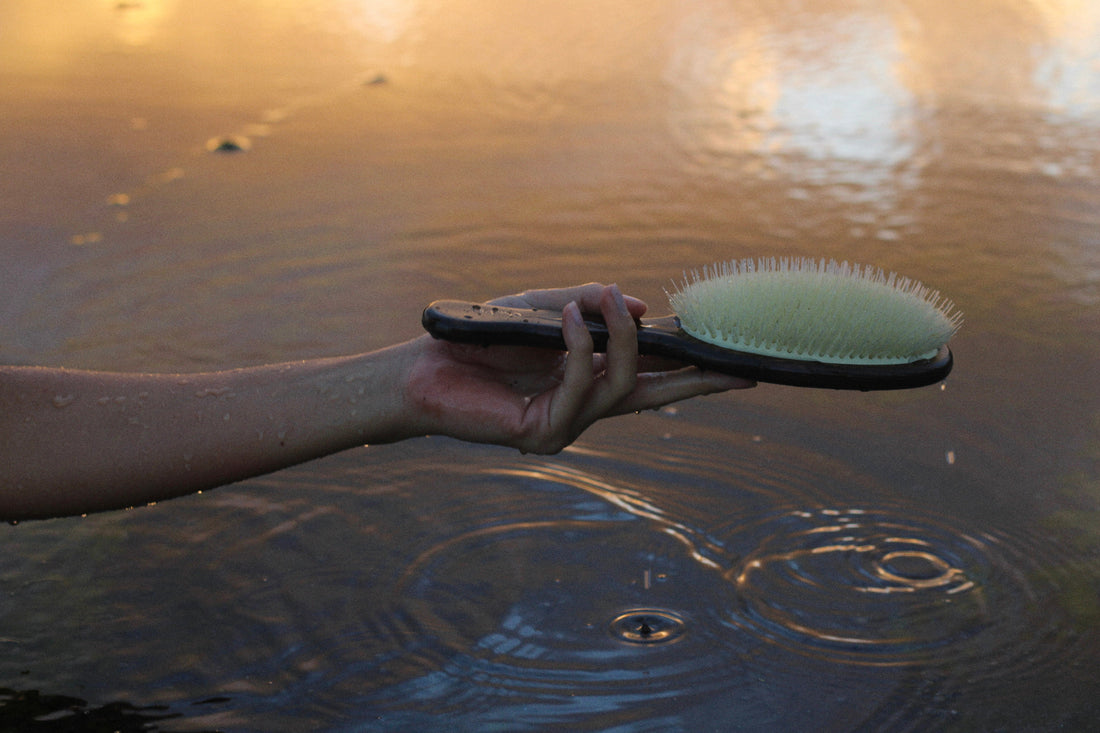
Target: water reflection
pixel 896 562
pixel 1067 71
pixel 31 710
pixel 775 94
pixel 138 22
pixel 896 588
pixel 500 609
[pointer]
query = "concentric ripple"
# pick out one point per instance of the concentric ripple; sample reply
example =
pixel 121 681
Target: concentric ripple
pixel 894 588
pixel 648 626
pixel 677 588
pixel 563 617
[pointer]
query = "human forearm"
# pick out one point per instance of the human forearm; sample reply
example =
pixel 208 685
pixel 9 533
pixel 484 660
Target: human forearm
pixel 74 442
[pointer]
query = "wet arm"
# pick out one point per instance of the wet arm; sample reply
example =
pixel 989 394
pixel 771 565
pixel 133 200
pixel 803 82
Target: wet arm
pixel 73 442
pixel 76 442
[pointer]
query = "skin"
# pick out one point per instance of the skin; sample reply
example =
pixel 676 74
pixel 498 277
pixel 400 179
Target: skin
pixel 74 442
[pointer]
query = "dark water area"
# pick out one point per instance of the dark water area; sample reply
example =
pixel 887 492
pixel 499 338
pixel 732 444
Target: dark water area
pixel 191 187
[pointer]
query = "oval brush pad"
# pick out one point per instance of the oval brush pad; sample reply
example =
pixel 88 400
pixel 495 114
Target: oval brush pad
pixel 487 324
pixel 814 310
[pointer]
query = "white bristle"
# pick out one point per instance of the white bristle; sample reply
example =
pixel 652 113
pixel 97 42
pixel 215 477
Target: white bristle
pixel 814 310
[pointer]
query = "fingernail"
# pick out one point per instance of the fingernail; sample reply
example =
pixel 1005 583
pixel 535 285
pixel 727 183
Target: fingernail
pixel 572 311
pixel 618 296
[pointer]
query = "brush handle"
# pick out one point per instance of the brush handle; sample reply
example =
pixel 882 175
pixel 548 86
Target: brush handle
pixel 486 324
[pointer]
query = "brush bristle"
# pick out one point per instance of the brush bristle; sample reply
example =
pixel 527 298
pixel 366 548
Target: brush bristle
pixel 814 310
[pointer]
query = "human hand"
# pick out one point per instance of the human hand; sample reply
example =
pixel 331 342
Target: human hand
pixel 541 400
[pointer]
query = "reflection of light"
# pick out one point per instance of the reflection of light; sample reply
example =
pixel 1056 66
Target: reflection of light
pixel 850 106
pixel 1068 73
pixel 726 85
pixel 138 21
pixel 385 20
pixel 818 90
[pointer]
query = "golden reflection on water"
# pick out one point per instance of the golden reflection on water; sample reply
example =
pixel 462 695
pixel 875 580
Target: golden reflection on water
pixel 398 152
pixel 828 88
pixel 546 143
pixel 833 66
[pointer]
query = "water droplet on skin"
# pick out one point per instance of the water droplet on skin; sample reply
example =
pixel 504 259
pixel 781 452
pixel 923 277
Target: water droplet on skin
pixel 63 400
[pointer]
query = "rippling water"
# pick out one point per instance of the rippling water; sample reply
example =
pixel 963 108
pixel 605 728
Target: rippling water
pixel 773 560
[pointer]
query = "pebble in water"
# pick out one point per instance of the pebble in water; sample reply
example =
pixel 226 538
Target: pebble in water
pixel 229 144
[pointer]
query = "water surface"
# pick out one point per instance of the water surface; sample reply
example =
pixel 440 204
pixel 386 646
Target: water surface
pixel 902 561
